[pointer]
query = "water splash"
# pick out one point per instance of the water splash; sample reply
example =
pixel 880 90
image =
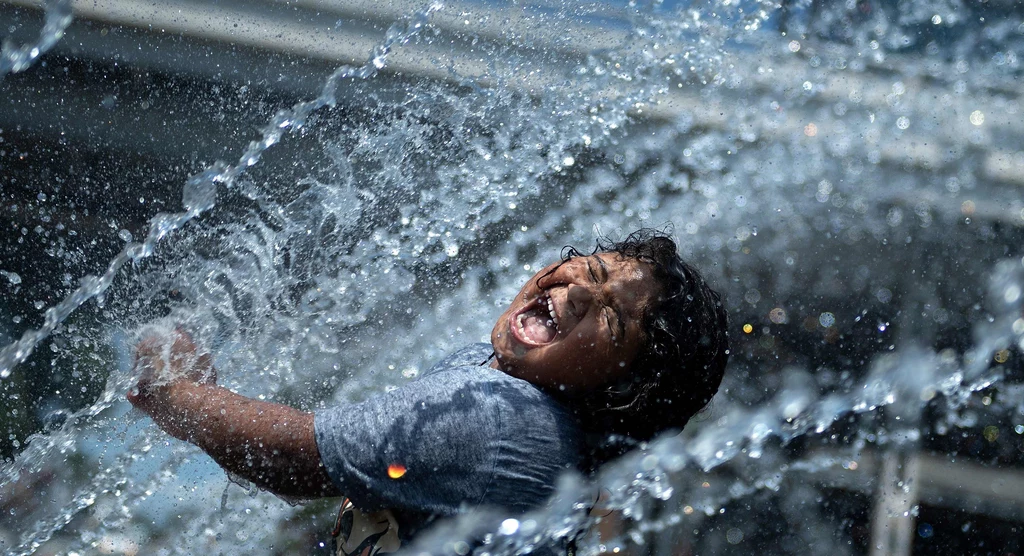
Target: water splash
pixel 200 190
pixel 450 195
pixel 14 59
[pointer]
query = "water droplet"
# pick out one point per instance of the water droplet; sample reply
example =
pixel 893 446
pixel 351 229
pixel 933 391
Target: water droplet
pixel 509 527
pixel 1011 294
pixel 883 295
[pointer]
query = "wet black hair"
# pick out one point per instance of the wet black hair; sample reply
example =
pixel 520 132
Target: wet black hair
pixel 682 358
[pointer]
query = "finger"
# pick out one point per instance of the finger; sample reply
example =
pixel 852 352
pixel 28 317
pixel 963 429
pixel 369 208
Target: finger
pixel 204 361
pixel 148 346
pixel 205 370
pixel 136 396
pixel 182 335
pixel 182 342
pixel 147 365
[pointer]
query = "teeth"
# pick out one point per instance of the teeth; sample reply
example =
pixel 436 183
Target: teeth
pixel 551 310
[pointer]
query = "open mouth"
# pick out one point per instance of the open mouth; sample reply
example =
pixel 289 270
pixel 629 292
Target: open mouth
pixel 537 323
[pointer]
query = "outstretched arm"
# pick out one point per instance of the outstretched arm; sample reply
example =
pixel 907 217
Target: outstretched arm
pixel 270 444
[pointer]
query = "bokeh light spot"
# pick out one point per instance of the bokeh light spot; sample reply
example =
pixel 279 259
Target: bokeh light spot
pixel 991 433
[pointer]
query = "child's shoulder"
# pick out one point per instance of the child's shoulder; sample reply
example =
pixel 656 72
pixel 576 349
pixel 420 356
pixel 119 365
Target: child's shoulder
pixel 472 355
pixel 468 373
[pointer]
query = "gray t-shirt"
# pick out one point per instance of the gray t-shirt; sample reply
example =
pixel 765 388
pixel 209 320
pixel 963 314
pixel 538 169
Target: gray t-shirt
pixel 461 435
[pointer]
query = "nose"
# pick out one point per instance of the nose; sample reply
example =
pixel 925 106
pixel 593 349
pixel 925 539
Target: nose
pixel 579 298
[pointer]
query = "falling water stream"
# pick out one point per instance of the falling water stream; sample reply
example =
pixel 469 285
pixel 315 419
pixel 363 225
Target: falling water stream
pixel 849 177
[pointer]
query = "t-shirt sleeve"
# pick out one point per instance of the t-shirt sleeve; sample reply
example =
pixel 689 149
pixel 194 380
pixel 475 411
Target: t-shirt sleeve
pixel 469 435
pixel 427 446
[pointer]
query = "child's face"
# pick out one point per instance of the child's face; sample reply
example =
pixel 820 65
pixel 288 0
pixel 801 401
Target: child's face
pixel 594 333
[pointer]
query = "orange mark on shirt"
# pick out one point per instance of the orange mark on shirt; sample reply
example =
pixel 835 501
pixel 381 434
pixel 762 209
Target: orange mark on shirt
pixel 396 470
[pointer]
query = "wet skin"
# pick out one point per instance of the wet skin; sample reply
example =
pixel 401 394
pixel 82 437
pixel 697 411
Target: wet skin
pixel 269 444
pixel 599 303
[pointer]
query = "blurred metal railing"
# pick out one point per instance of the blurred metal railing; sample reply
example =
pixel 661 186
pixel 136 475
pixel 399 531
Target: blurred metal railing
pixel 339 32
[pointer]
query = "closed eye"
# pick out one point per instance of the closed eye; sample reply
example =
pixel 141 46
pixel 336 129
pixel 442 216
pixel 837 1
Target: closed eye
pixel 614 332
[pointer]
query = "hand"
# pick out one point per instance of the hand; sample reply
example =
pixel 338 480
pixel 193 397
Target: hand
pixel 270 444
pixel 159 366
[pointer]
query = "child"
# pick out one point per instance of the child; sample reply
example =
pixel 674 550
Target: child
pixel 624 343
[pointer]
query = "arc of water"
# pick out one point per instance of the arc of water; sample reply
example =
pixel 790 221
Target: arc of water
pixel 670 455
pixel 14 59
pixel 200 190
pixel 109 479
